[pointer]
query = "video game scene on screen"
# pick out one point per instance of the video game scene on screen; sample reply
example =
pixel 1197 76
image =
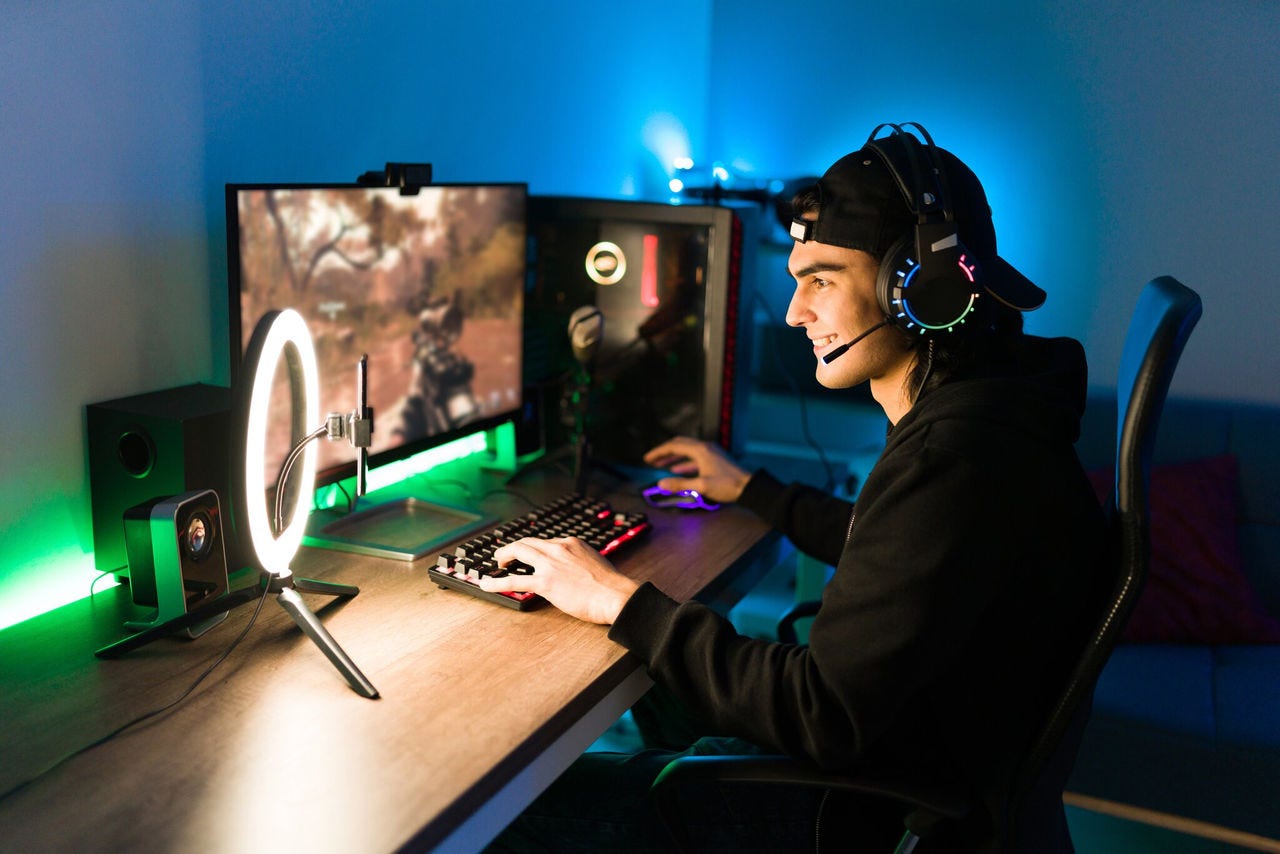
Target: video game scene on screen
pixel 424 284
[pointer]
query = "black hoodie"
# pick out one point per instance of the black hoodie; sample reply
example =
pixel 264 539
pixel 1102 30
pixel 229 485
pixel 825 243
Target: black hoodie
pixel 959 600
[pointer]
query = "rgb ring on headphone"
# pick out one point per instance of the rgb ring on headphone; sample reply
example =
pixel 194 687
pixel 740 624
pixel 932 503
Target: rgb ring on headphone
pixel 928 283
pixel 924 299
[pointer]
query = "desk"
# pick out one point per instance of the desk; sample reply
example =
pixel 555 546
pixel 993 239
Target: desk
pixel 273 752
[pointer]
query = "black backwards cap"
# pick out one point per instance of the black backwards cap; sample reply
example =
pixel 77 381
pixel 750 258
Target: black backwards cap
pixel 864 205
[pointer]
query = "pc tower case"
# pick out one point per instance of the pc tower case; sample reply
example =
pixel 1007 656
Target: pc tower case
pixel 675 356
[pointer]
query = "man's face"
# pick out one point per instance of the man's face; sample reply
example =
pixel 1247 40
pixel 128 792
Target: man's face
pixel 834 302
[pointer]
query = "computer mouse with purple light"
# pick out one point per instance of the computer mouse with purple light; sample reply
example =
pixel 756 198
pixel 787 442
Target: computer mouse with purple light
pixel 684 499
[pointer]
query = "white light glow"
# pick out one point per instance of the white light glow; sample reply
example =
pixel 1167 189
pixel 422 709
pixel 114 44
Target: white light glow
pixel 665 137
pixel 676 185
pixel 287 329
pixel 606 263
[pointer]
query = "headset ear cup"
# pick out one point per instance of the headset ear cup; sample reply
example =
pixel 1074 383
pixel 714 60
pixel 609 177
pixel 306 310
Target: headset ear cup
pixel 895 259
pixel 927 283
pixel 926 296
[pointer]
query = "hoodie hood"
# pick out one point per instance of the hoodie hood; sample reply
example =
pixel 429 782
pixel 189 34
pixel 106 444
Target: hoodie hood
pixel 1049 380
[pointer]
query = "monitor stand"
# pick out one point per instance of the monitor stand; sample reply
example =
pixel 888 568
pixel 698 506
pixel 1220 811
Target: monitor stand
pixel 401 527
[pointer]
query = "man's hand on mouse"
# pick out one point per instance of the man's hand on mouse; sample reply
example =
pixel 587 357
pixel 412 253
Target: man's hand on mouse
pixel 698 465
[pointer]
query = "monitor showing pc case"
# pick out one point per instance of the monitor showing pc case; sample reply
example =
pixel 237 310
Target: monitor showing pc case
pixel 668 279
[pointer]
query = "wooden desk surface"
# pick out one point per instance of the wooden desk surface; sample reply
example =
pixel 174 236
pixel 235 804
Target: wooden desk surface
pixel 275 752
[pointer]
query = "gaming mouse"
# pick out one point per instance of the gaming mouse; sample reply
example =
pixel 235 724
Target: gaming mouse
pixel 685 499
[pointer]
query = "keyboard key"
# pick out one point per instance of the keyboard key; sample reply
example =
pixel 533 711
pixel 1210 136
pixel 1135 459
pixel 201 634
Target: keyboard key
pixel 592 520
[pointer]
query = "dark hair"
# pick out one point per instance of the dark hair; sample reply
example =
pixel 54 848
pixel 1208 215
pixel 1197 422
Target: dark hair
pixel 806 201
pixel 989 338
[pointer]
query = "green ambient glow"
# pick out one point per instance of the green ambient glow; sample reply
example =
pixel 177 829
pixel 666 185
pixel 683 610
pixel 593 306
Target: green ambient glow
pixel 40 575
pixel 46 579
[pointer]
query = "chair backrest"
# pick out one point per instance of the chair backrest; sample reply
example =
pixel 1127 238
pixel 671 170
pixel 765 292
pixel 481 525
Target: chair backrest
pixel 1162 321
pixel 1166 313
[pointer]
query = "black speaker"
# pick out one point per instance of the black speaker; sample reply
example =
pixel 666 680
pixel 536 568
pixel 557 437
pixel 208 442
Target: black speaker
pixel 152 445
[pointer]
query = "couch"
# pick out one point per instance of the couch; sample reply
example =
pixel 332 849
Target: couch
pixel 1186 716
pixel 1185 729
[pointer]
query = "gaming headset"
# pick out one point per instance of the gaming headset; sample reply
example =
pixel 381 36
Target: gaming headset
pixel 928 283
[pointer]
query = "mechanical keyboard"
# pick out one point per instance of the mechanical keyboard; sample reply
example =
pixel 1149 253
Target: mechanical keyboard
pixel 592 520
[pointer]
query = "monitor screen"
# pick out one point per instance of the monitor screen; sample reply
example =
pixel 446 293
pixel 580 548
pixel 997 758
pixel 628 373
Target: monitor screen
pixel 429 286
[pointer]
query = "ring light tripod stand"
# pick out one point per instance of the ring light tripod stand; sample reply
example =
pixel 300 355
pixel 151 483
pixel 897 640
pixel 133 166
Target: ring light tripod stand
pixel 279 333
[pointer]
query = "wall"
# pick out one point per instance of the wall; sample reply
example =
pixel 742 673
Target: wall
pixel 103 290
pixel 120 122
pixel 1118 141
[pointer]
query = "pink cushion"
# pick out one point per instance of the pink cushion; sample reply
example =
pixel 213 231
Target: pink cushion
pixel 1196 591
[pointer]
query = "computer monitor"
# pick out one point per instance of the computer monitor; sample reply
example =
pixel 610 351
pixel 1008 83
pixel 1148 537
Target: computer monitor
pixel 429 285
pixel 675 357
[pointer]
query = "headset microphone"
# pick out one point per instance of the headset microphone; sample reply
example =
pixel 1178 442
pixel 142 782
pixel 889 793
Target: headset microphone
pixel 844 348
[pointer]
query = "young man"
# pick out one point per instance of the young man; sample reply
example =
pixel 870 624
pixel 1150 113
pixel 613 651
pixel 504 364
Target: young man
pixel 964 571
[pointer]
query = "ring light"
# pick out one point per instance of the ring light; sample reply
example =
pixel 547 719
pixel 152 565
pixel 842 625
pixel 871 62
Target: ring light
pixel 287 335
pixel 278 333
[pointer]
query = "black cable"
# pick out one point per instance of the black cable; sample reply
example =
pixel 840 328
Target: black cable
pixel 146 715
pixel 928 370
pixel 351 502
pixel 800 401
pixel 97 578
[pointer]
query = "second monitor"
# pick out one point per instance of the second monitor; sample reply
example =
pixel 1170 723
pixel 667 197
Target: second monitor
pixel 675 358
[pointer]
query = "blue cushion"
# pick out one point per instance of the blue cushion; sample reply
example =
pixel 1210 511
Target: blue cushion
pixel 1247 694
pixel 1168 686
pixel 1259 546
pixel 1253 432
pixel 1192 429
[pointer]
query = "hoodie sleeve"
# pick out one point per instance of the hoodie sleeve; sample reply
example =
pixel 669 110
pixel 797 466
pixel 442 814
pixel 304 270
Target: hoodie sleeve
pixel 814 521
pixel 894 614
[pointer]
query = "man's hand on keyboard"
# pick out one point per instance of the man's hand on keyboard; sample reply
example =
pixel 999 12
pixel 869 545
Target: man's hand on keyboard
pixel 568 573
